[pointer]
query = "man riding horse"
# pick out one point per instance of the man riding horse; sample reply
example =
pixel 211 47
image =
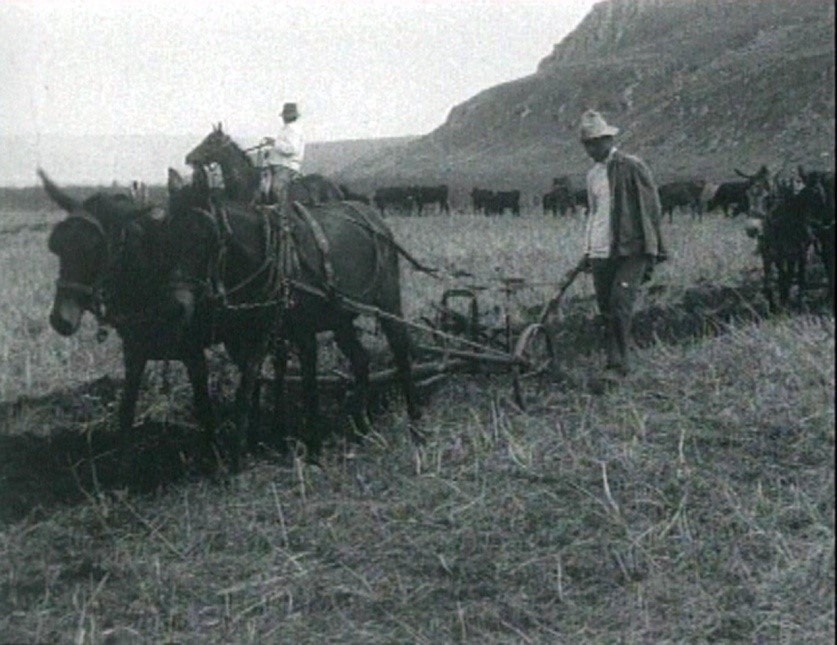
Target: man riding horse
pixel 282 159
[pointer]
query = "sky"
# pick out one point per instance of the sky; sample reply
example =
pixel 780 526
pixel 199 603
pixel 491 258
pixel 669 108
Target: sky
pixel 358 69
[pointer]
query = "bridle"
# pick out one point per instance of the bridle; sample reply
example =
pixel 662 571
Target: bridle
pixel 95 294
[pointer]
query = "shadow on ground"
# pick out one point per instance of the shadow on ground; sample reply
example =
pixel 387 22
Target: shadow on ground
pixel 73 455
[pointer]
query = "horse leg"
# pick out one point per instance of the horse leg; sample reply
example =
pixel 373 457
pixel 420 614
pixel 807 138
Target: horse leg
pixel 280 365
pixel 199 378
pixel 767 263
pixel 399 343
pixel 346 337
pixel 134 362
pixel 249 367
pixel 306 343
pixel 801 269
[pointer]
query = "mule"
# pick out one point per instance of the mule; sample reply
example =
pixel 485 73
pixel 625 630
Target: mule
pixel 778 220
pixel 284 275
pixel 245 182
pixel 113 263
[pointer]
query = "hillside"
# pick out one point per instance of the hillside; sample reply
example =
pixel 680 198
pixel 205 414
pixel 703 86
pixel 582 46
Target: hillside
pixel 698 87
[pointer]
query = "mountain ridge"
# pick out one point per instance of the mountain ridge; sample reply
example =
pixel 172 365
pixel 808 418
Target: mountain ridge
pixel 698 87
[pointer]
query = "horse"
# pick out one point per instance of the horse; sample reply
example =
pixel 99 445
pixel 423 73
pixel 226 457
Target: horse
pixel 113 260
pixel 283 275
pixel 243 181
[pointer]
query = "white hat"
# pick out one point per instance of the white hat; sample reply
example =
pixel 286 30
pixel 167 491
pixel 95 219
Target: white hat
pixel 594 126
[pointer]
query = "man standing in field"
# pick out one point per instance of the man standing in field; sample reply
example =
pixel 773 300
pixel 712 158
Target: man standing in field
pixel 283 158
pixel 623 239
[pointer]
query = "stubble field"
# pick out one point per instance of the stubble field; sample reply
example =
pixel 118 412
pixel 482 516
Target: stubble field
pixel 695 501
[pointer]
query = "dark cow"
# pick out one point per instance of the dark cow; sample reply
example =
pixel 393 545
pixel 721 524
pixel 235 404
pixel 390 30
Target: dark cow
pixel 397 197
pixel 502 200
pixel 480 199
pixel 580 199
pixel 682 194
pixel 427 195
pixel 351 196
pixel 730 194
pixel 559 198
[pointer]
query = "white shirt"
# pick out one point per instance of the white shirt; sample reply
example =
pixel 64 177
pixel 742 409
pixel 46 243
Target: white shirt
pixel 289 148
pixel 597 239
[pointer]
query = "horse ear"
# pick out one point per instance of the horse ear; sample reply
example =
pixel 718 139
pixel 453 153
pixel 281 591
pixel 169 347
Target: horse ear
pixel 175 181
pixel 57 195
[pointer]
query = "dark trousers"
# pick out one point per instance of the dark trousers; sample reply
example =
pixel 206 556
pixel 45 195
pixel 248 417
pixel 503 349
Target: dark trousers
pixel 617 281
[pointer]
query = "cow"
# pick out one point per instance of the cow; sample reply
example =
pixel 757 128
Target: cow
pixel 503 199
pixel 730 194
pixel 580 199
pixel 139 192
pixel 682 194
pixel 398 197
pixel 480 198
pixel 559 198
pixel 426 195
pixel 352 196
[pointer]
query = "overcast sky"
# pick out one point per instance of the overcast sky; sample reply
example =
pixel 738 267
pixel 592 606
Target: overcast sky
pixel 357 68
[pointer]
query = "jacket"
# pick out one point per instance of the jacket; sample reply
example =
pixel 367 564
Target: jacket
pixel 634 207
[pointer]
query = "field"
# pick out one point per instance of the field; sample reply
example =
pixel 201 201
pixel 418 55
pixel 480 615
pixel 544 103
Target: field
pixel 693 502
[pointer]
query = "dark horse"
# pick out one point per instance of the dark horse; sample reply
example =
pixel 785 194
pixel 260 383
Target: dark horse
pixel 113 262
pixel 286 274
pixel 243 180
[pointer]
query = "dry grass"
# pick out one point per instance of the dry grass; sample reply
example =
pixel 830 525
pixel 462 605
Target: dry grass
pixel 695 502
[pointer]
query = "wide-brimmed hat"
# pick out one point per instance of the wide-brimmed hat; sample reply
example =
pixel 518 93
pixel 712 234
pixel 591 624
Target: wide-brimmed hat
pixel 290 111
pixel 594 126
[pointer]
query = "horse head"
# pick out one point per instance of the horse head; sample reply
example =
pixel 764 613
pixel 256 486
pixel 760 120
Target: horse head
pixel 105 247
pixel 193 243
pixel 239 174
pixel 211 149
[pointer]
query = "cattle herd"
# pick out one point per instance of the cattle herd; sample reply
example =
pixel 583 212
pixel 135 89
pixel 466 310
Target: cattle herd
pixel 695 196
pixel 790 213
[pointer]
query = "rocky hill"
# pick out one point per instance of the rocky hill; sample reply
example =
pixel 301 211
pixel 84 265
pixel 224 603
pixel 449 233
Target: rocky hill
pixel 698 87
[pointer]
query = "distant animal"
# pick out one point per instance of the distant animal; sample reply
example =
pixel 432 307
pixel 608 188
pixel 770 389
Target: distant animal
pixel 113 263
pixel 559 198
pixel 682 194
pixel 480 199
pixel 242 179
pixel 580 199
pixel 426 195
pixel 350 195
pixel 400 198
pixel 139 192
pixel 265 276
pixel 730 195
pixel 504 199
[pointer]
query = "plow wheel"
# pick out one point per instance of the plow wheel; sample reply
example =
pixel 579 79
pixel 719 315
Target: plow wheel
pixel 534 355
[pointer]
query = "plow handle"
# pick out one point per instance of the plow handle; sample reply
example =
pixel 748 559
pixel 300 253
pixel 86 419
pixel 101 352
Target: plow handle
pixel 567 280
